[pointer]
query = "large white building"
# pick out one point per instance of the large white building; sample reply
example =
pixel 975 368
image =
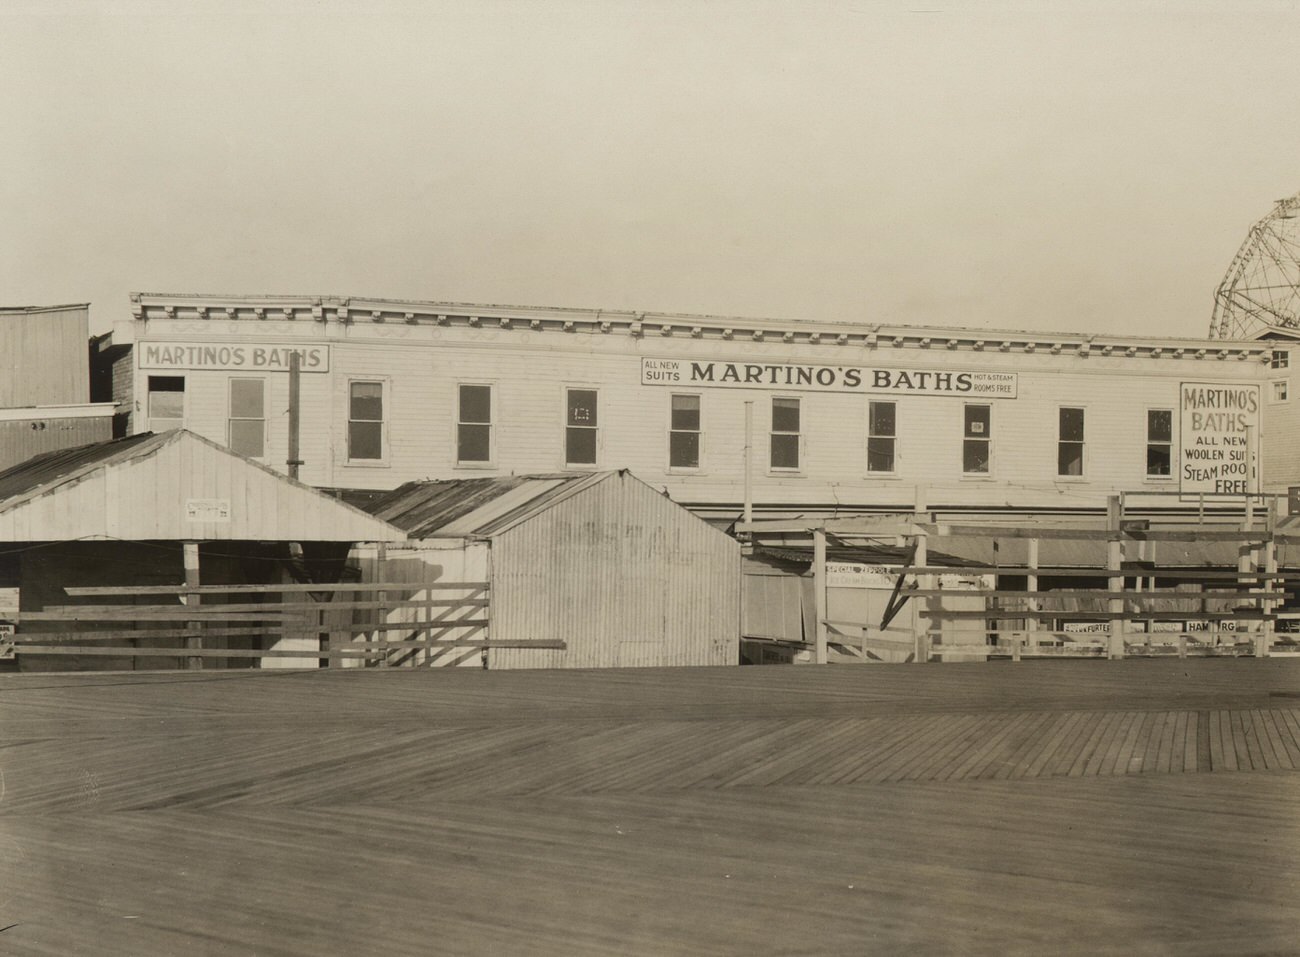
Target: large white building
pixel 846 416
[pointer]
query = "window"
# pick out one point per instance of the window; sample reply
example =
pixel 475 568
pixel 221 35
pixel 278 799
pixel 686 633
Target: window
pixel 474 425
pixel 977 440
pixel 246 431
pixel 580 427
pixel 1281 390
pixel 1281 359
pixel 882 435
pixel 166 402
pixel 1160 437
pixel 1069 449
pixel 684 433
pixel 785 433
pixel 365 421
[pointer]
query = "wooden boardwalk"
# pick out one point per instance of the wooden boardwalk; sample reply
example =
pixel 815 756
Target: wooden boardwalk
pixel 1134 807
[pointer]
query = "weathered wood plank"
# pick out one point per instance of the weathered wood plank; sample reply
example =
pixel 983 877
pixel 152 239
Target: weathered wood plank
pixel 88 591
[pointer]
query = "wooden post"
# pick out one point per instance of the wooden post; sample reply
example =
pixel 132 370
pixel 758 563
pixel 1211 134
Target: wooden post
pixel 749 460
pixel 819 593
pixel 921 559
pixel 1031 584
pixel 295 411
pixel 1245 565
pixel 381 613
pixel 1114 564
pixel 1269 605
pixel 192 638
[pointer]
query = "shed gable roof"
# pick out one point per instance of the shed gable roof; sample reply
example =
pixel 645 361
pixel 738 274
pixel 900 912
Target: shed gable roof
pixel 170 486
pixel 472 508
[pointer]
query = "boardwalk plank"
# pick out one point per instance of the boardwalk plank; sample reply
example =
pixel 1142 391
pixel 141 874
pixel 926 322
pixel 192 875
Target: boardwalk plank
pixel 1023 809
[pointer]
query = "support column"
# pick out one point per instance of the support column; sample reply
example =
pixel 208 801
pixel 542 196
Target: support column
pixel 819 593
pixel 1270 604
pixel 1031 584
pixel 1115 565
pixel 193 639
pixel 925 623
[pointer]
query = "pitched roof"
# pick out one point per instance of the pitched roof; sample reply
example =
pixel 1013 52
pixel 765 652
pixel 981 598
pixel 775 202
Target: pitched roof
pixel 173 485
pixel 481 507
pixel 49 469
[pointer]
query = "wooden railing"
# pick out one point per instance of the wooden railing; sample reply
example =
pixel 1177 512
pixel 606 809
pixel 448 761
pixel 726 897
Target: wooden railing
pixel 366 624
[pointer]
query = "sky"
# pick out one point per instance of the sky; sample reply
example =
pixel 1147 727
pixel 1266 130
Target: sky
pixel 1072 167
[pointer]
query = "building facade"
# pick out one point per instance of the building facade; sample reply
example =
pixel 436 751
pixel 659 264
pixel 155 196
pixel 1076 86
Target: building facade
pixel 842 417
pixel 45 401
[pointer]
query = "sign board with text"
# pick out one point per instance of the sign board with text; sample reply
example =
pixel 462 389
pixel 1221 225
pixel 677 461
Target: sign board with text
pixel 1219 433
pixel 242 357
pixel 813 377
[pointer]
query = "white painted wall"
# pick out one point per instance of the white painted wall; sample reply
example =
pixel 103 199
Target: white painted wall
pixel 422 364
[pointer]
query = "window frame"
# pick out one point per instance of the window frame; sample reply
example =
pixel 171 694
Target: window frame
pixel 386 400
pixel 148 401
pixel 1147 445
pixel 698 432
pixel 491 424
pixel 1282 385
pixel 1280 359
pixel 231 418
pixel 564 420
pixel 1082 443
pixel 987 474
pixel 798 468
pixel 892 471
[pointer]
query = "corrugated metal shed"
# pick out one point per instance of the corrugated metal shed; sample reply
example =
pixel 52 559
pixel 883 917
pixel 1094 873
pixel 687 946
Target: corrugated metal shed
pixel 602 561
pixel 174 486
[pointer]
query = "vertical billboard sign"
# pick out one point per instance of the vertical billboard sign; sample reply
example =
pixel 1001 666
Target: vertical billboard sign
pixel 1219 433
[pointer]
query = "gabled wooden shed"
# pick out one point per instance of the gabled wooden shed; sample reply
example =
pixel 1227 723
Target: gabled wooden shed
pixel 156 510
pixel 613 568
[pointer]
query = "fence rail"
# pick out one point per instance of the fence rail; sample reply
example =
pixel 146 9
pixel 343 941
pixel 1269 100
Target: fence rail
pixel 425 619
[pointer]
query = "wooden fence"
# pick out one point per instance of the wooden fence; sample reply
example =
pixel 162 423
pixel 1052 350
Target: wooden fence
pixel 372 624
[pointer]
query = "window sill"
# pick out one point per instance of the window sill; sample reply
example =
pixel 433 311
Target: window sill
pixel 475 466
pixel 367 464
pixel 978 477
pixel 785 473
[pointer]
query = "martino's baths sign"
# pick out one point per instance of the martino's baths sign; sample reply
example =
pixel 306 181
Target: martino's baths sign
pixel 1219 429
pixel 231 358
pixel 827 378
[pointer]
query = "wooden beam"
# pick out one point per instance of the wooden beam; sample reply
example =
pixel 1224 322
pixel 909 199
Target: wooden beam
pixel 1083 593
pixel 819 594
pixel 88 591
pixel 1182 571
pixel 192 640
pixel 1245 615
pixel 197 615
pixel 1044 532
pixel 133 633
